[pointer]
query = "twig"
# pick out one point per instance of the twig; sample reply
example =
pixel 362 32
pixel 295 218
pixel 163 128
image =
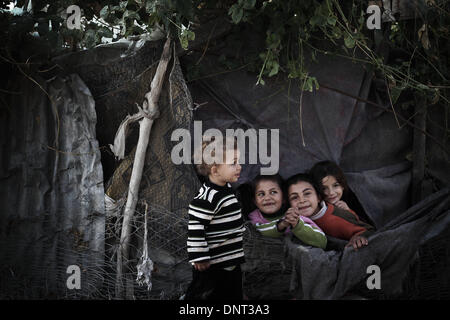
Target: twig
pixel 263 67
pixel 207 43
pixel 10 92
pixel 390 100
pixel 75 153
pixel 300 111
pixel 218 73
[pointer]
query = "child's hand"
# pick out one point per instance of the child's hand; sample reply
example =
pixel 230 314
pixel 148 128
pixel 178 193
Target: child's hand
pixel 341 204
pixel 282 225
pixel 202 265
pixel 292 215
pixel 357 242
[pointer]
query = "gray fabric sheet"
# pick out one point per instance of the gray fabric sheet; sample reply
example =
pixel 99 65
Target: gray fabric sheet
pixel 332 274
pixel 51 188
pixel 364 140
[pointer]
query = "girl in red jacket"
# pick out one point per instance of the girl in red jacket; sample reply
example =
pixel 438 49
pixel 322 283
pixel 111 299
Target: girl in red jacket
pixel 330 177
pixel 332 183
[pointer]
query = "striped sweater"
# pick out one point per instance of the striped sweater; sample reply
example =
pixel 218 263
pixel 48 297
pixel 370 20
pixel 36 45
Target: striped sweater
pixel 306 230
pixel 215 230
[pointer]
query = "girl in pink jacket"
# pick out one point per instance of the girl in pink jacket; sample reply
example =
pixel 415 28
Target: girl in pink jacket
pixel 272 220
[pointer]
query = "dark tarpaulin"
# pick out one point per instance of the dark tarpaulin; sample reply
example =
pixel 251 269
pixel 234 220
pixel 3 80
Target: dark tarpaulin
pixel 364 140
pixel 51 188
pixel 393 249
pixel 55 215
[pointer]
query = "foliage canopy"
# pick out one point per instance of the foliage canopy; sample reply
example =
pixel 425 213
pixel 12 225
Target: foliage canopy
pixel 293 29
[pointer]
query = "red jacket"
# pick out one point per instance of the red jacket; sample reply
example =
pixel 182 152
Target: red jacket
pixel 340 223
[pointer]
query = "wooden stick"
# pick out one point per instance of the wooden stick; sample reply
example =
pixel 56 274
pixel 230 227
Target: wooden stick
pixel 151 111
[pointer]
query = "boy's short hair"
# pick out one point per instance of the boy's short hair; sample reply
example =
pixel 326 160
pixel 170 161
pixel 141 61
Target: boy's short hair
pixel 304 177
pixel 328 168
pixel 211 142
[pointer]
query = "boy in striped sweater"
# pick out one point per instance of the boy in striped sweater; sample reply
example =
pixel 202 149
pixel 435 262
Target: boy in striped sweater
pixel 215 231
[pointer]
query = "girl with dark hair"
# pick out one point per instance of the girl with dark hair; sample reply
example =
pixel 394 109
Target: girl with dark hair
pixel 330 177
pixel 334 188
pixel 271 219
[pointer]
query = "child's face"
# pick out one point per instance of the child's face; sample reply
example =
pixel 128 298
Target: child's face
pixel 332 189
pixel 227 172
pixel 268 197
pixel 303 196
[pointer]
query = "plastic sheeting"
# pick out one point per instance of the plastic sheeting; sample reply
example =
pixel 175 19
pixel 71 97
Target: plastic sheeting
pixel 51 191
pixel 326 125
pixel 119 77
pixel 392 249
pixel 365 142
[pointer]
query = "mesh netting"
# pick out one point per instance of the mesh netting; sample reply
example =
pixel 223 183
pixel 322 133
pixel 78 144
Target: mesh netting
pixel 167 189
pixel 167 233
pixel 268 270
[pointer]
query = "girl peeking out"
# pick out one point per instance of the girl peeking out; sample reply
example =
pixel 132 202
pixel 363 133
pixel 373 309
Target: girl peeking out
pixel 271 219
pixel 331 180
pixel 305 196
pixel 330 177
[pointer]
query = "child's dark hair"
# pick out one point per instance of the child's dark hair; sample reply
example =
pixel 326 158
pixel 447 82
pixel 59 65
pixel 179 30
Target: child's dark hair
pixel 246 192
pixel 276 178
pixel 304 177
pixel 328 168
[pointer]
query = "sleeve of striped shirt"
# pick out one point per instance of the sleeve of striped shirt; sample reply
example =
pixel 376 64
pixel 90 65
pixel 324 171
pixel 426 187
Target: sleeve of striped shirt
pixel 201 212
pixel 310 235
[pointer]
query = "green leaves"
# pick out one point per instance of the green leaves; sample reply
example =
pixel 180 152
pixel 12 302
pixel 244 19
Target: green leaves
pixel 104 32
pixel 238 10
pixel 138 17
pixel 309 83
pixel 270 67
pixel 185 36
pixel 104 12
pixel 273 66
pixel 336 33
pixel 321 26
pixel 90 38
pixel 273 40
pixel 395 94
pixel 331 21
pixel 248 4
pixel 322 16
pixel 349 41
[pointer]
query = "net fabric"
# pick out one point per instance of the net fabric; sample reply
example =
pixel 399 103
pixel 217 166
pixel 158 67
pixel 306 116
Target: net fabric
pixel 168 189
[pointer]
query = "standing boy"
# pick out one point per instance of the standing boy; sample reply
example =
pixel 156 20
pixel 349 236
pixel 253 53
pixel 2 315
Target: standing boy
pixel 215 231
